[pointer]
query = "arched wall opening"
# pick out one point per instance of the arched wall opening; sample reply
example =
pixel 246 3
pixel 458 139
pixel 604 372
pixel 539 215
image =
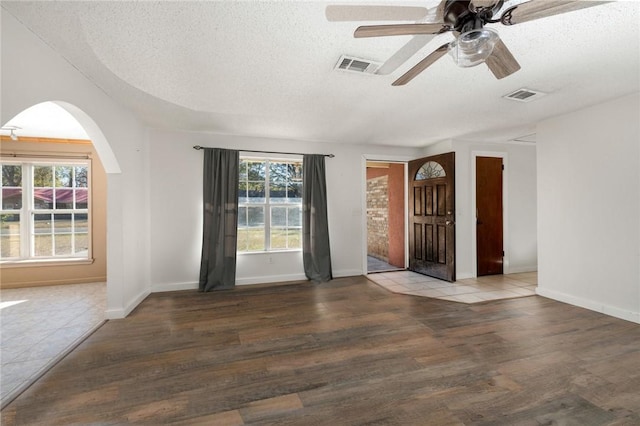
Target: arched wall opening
pixel 110 168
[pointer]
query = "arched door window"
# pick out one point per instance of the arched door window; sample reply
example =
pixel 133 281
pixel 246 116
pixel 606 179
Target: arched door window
pixel 430 170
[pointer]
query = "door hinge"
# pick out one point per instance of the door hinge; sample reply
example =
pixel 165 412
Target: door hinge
pixel 503 167
pixel 503 254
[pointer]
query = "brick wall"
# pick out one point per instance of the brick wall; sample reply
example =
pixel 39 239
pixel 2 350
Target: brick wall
pixel 378 217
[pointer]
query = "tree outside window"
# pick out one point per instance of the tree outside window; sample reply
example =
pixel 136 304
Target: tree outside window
pixel 269 205
pixel 45 210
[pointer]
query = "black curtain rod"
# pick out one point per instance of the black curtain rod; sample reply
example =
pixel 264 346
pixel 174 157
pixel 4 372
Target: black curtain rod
pixel 198 147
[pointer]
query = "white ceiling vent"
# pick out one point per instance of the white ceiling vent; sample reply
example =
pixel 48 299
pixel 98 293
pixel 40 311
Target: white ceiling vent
pixel 524 95
pixel 349 63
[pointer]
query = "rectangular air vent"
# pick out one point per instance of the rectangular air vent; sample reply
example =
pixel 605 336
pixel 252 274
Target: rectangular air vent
pixel 349 63
pixel 524 95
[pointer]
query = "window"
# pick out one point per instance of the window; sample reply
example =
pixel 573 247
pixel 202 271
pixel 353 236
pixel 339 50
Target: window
pixel 45 210
pixel 269 205
pixel 430 170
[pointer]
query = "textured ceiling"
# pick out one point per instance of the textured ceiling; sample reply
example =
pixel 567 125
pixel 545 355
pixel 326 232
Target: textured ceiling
pixel 266 68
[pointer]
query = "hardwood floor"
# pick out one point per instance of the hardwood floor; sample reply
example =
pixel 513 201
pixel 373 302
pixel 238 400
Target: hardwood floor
pixel 344 353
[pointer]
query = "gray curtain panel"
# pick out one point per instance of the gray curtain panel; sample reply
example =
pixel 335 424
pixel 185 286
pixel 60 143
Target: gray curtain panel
pixel 220 196
pixel 315 226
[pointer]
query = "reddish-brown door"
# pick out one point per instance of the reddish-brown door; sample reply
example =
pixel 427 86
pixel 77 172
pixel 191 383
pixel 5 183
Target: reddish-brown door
pixel 489 226
pixel 432 216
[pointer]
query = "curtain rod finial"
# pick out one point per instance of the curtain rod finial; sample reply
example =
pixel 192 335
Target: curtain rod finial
pixel 331 155
pixel 198 147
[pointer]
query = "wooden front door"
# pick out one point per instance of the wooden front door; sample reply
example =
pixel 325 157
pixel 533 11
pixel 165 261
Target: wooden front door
pixel 489 225
pixel 432 216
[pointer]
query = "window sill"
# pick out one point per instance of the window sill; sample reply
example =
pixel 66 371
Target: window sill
pixel 44 263
pixel 252 253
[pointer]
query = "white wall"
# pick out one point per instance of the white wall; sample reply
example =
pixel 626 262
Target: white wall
pixel 33 73
pixel 589 208
pixel 520 240
pixel 176 192
pixel 145 191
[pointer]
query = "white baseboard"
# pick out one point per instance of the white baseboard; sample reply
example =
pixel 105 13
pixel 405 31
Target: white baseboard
pixel 122 313
pixel 159 288
pixel 270 279
pixel 464 276
pixel 590 304
pixel 239 282
pixel 347 273
pixel 65 281
pixel 522 269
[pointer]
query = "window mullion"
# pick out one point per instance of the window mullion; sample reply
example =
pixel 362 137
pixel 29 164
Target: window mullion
pixel 27 211
pixel 267 208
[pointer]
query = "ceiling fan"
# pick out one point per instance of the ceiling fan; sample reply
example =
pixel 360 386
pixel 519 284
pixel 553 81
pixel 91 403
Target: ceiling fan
pixel 466 19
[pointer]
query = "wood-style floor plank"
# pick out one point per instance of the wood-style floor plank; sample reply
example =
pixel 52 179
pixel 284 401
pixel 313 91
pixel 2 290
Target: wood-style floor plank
pixel 343 353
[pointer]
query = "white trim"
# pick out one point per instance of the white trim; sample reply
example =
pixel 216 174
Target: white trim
pixel 347 273
pixel 272 251
pixel 406 215
pixel 505 210
pixel 363 214
pixel 50 282
pixel 34 263
pixel 270 279
pixel 464 276
pixel 363 204
pixel 160 288
pixel 122 313
pixel 590 304
pixel 388 158
pixel 497 143
pixel 522 269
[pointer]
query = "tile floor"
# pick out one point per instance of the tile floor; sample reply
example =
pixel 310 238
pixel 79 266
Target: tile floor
pixel 377 265
pixel 39 325
pixel 472 290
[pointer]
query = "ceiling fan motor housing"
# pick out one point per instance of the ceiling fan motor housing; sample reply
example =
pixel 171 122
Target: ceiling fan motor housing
pixel 455 12
pixel 463 16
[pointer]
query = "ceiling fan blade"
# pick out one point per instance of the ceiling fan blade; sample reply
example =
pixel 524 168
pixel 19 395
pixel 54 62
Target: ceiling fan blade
pixel 398 29
pixel 533 9
pixel 405 53
pixel 440 11
pixel 501 62
pixel 421 66
pixel 483 3
pixel 342 13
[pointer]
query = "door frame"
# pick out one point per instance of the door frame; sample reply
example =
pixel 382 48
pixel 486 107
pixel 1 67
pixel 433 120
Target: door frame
pixel 505 209
pixel 404 160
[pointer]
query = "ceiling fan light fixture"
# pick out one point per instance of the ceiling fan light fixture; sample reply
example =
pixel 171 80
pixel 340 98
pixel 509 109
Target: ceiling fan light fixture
pixel 473 47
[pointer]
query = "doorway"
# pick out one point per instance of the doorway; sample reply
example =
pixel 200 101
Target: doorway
pixel 489 215
pixel 385 183
pixel 49 308
pixel 431 216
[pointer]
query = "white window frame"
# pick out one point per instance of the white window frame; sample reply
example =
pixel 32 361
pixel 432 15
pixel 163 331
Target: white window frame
pixel 267 205
pixel 28 212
